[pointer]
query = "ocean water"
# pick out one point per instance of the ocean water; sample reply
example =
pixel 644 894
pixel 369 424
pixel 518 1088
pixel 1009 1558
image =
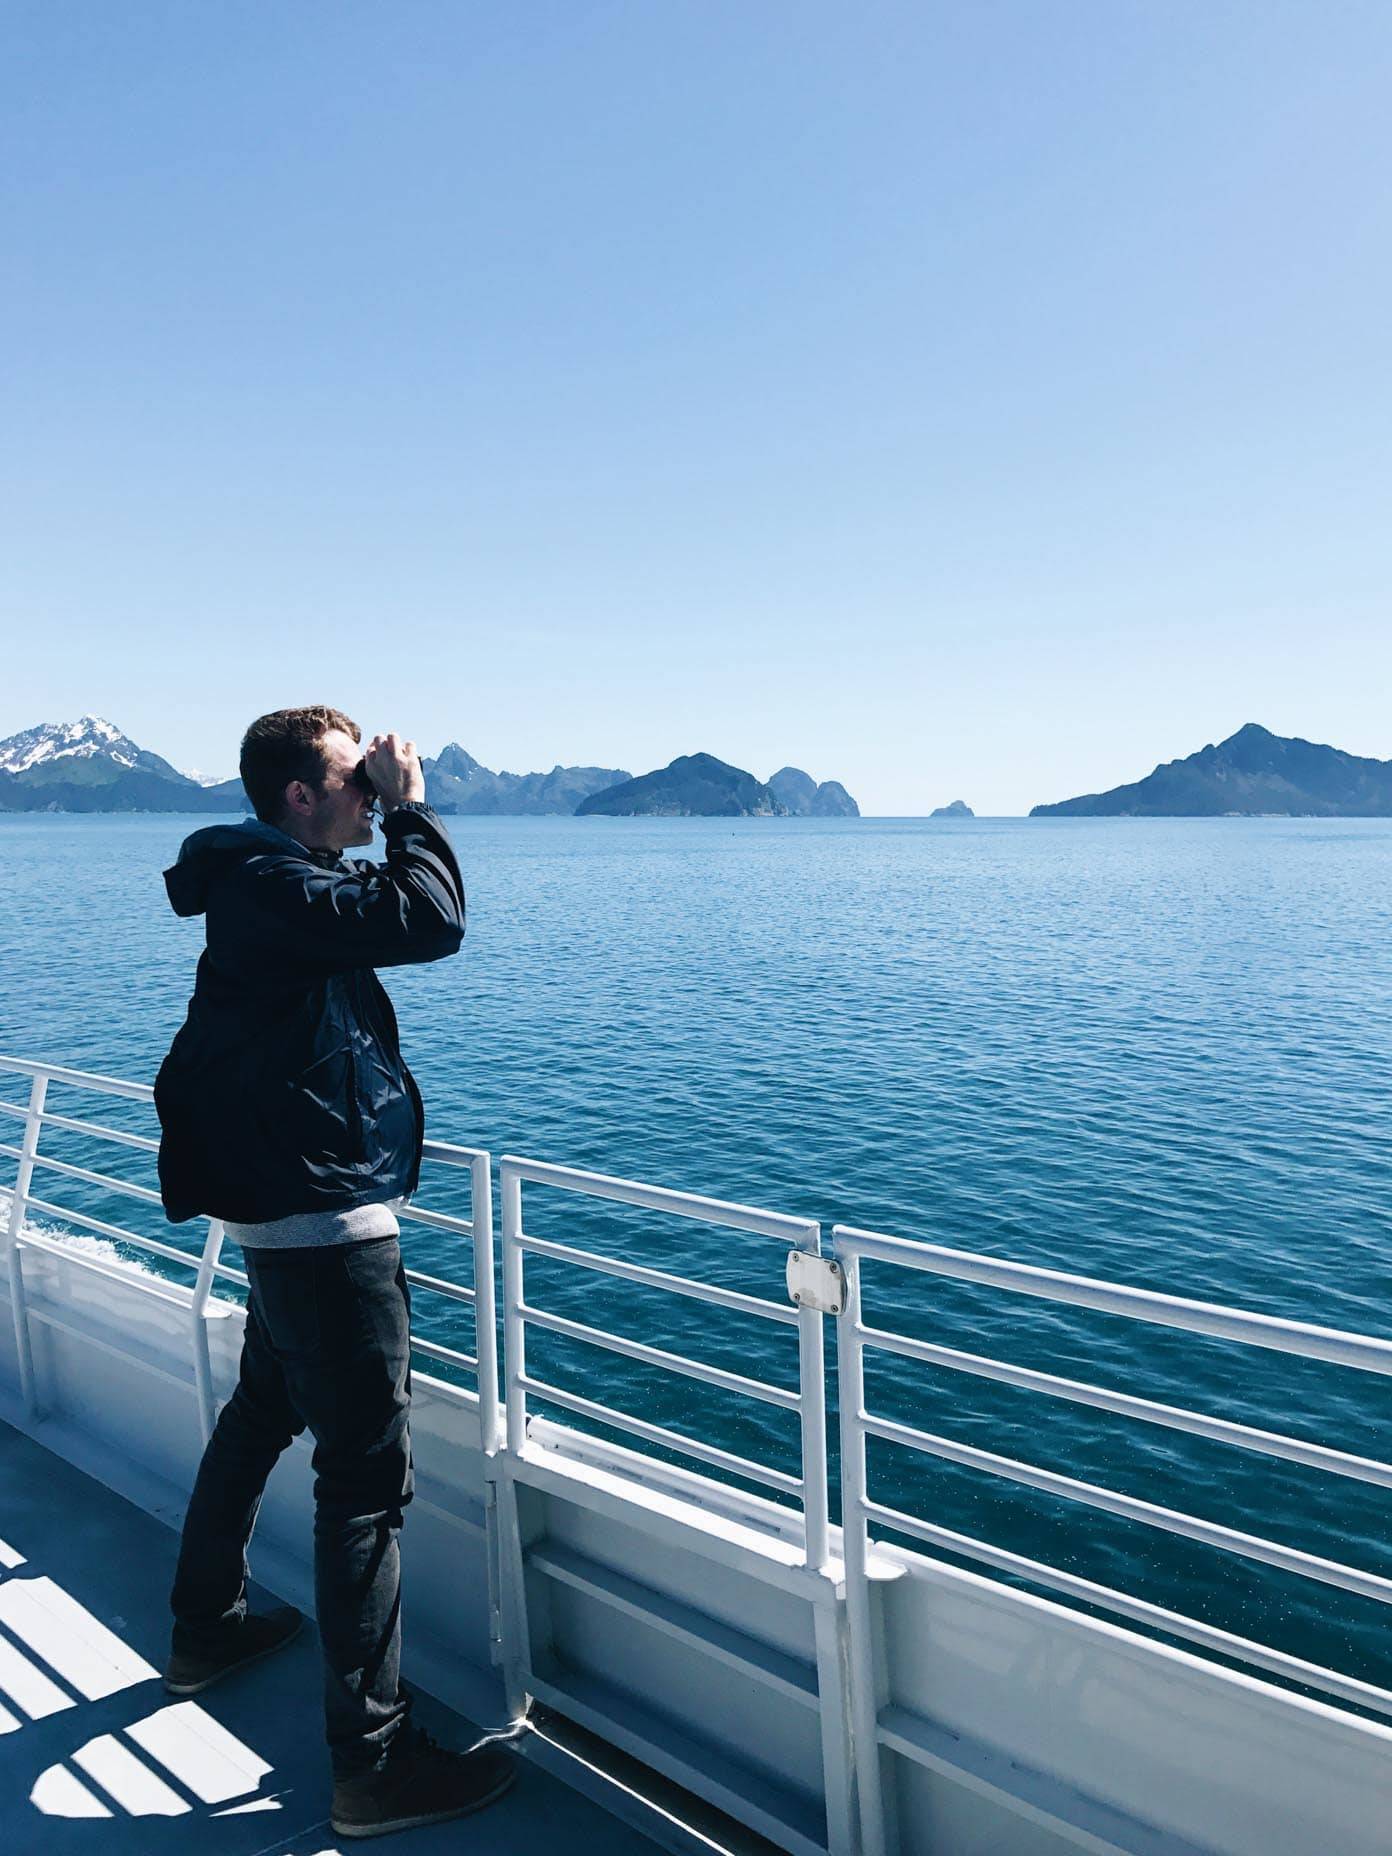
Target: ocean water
pixel 1152 1051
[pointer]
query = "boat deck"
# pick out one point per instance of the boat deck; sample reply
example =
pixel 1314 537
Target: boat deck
pixel 95 1757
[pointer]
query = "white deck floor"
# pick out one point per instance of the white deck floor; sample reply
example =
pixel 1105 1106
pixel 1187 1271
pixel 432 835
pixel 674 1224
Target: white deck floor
pixel 95 1757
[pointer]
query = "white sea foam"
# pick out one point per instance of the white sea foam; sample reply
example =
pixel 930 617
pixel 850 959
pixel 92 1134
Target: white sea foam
pixel 81 1243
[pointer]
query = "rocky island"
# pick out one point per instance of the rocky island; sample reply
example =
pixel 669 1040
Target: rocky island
pixel 1252 774
pixel 691 786
pixel 957 809
pixel 804 798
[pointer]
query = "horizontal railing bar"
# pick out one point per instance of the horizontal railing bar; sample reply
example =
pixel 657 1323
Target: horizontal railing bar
pixel 1131 1508
pixel 1139 1610
pixel 93 1178
pixel 796 1231
pixel 659 1434
pixel 79 1079
pixel 464 1396
pixel 116 1268
pixel 658 1356
pixel 12 1153
pixel 434 1351
pixel 171 1251
pixel 439 1286
pixel 95 1129
pixel 99 1131
pixel 117 1233
pixel 1362 1351
pixel 677 1479
pixel 438 1221
pixel 449 1154
pixel 752 1657
pixel 660 1279
pixel 1124 1404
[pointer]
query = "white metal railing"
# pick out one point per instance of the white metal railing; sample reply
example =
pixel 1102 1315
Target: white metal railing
pixel 808 1401
pixel 207 1264
pixel 477 1228
pixel 850 1671
pixel 859 1509
pixel 823 1684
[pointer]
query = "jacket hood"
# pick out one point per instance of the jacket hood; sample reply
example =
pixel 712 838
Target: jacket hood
pixel 211 851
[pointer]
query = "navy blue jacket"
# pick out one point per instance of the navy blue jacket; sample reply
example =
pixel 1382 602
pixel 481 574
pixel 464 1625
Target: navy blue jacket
pixel 285 1090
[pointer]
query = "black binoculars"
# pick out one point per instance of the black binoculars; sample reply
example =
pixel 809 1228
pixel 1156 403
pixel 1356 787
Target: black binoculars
pixel 360 778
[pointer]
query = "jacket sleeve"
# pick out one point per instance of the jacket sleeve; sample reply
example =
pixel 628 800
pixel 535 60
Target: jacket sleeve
pixel 408 909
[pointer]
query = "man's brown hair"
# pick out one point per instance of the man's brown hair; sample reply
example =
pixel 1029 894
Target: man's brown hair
pixel 284 746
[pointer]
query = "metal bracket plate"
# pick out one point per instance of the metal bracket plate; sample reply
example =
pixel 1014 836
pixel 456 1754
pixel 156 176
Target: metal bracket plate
pixel 816 1282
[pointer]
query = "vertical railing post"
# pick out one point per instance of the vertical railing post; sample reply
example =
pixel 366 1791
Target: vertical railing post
pixel 485 1350
pixel 19 1306
pixel 829 1631
pixel 485 1307
pixel 202 1353
pixel 812 1413
pixel 514 1627
pixel 860 1632
pixel 514 1344
pixel 834 1714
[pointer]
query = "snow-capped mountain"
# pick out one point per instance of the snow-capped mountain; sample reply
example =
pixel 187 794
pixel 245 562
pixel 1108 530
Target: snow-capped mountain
pixel 89 738
pixel 204 779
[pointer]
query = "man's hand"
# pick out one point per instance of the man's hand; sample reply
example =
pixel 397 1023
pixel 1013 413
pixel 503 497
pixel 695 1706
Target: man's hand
pixel 394 768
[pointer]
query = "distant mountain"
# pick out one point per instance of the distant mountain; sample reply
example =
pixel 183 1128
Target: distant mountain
pixel 97 750
pixel 226 796
pixel 456 783
pixel 130 792
pixel 958 809
pixel 692 786
pixel 452 778
pixel 90 766
pixel 1252 773
pixel 804 798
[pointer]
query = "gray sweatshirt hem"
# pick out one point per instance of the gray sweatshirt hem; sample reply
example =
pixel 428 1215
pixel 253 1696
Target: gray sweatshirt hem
pixel 310 1230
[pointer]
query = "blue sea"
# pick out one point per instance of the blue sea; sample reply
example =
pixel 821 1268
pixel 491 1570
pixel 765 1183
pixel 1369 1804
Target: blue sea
pixel 1157 1052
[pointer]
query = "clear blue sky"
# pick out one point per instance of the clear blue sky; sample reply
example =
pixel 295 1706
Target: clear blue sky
pixel 979 400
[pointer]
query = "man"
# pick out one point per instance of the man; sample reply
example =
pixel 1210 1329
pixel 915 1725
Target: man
pixel 286 1110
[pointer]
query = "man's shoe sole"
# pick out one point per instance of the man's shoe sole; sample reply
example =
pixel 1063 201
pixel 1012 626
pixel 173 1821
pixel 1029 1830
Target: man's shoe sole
pixel 429 1817
pixel 245 1662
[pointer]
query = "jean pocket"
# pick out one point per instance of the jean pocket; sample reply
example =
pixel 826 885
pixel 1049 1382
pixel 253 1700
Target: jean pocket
pixel 373 1264
pixel 376 1300
pixel 286 1288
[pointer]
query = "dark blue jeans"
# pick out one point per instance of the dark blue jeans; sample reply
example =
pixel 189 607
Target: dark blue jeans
pixel 327 1346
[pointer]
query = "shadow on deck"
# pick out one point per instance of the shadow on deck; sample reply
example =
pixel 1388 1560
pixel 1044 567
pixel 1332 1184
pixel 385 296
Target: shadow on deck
pixel 95 1757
